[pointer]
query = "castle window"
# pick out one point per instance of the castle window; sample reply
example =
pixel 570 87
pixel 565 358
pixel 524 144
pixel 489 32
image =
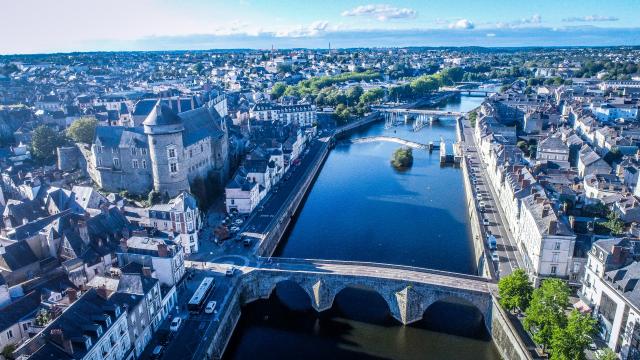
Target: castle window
pixel 171 153
pixel 133 151
pixel 173 168
pixel 134 163
pixel 116 162
pixel 144 164
pixel 144 151
pixel 99 162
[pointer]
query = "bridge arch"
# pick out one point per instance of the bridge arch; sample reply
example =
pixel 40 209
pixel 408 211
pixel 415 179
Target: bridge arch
pixel 368 296
pixel 437 314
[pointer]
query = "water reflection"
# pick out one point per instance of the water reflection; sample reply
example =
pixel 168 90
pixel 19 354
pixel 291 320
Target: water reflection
pixel 360 208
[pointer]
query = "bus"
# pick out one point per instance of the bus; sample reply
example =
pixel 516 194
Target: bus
pixel 200 295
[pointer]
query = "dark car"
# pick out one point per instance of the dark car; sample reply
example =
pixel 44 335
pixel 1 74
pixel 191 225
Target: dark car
pixel 157 352
pixel 163 336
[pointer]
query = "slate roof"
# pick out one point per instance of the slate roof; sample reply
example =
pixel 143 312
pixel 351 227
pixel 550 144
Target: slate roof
pixel 120 136
pixel 17 256
pixel 75 323
pixel 136 284
pixel 199 124
pixel 162 114
pixel 19 309
pixel 625 281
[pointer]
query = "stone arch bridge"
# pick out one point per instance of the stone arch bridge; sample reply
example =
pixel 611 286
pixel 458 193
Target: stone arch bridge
pixel 408 291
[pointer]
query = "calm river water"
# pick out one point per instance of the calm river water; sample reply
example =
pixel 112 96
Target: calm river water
pixel 360 208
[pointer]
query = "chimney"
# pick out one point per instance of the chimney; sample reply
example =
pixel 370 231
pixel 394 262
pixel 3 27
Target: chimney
pixel 57 336
pixel 83 231
pixel 163 250
pixel 146 271
pixel 553 227
pixel 545 211
pixel 103 292
pixel 123 245
pixel 73 295
pixel 525 183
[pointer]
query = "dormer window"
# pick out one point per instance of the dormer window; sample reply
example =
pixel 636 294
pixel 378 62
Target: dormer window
pixel 108 319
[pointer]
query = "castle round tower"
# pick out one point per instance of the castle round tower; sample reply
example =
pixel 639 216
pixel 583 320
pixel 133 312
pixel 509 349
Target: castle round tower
pixel 164 129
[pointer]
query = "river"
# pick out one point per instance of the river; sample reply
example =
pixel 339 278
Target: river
pixel 361 208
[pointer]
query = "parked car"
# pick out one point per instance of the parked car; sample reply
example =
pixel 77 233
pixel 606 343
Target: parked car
pixel 163 336
pixel 246 242
pixel 238 221
pixel 492 242
pixel 234 229
pixel 230 271
pixel 485 221
pixel 175 324
pixel 157 352
pixel 495 257
pixel 211 306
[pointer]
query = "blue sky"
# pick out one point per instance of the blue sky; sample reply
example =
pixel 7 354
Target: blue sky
pixel 35 26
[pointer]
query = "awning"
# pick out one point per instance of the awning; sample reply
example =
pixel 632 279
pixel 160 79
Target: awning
pixel 582 307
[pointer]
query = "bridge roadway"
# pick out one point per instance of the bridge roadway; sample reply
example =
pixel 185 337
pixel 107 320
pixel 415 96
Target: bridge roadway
pixel 397 140
pixel 408 291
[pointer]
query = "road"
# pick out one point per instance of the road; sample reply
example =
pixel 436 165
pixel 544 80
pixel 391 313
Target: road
pixel 509 257
pixel 375 270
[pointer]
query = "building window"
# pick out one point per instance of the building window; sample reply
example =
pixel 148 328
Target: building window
pixel 554 269
pixel 144 151
pixel 173 168
pixel 172 153
pixel 133 151
pixel 134 163
pixel 116 162
pixel 9 334
pixel 99 161
pixel 190 154
pixel 557 245
pixel 144 164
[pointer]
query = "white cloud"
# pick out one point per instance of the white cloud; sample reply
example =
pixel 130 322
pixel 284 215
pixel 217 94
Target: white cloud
pixel 491 34
pixel 381 12
pixel 533 20
pixel 314 29
pixel 462 24
pixel 590 18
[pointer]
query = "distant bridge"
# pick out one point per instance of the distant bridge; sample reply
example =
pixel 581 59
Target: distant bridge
pixel 407 111
pixel 397 140
pixel 408 291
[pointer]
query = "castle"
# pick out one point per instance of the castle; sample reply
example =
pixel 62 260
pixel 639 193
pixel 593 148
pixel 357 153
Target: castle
pixel 165 154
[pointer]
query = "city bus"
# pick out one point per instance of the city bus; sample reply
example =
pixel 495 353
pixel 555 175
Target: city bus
pixel 200 295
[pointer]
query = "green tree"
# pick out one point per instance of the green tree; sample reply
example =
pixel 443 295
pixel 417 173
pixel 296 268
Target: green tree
pixel 515 291
pixel 353 94
pixel 44 142
pixel 278 90
pixel 569 342
pixel 423 85
pixel 342 113
pixel 7 351
pixel 614 224
pixel 83 130
pixel 607 354
pixel 372 95
pixel 546 310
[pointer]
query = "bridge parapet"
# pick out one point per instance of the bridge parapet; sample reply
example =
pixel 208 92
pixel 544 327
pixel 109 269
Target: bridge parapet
pixel 407 291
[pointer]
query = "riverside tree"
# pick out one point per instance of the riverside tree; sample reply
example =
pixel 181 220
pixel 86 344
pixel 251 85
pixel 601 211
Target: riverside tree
pixel 515 291
pixel 569 342
pixel 546 310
